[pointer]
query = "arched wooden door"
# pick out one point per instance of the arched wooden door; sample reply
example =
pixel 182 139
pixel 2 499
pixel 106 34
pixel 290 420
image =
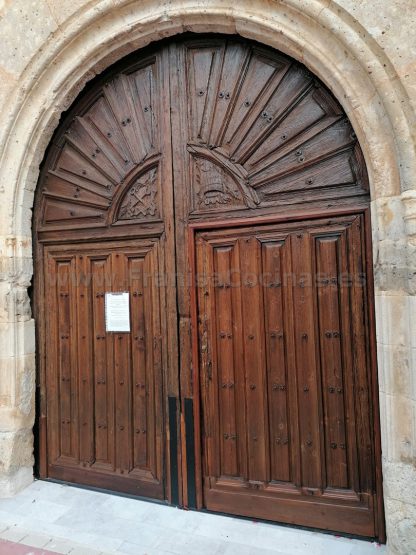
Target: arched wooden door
pixel 221 186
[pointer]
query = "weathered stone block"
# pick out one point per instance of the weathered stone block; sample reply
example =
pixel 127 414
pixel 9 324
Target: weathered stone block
pixel 401 527
pixel 17 338
pixel 16 450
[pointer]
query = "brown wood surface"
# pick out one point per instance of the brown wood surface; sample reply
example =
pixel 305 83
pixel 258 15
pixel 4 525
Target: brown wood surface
pixel 104 389
pixel 326 433
pixel 177 163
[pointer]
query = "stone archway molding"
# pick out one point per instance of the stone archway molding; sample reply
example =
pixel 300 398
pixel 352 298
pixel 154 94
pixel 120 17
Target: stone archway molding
pixel 320 33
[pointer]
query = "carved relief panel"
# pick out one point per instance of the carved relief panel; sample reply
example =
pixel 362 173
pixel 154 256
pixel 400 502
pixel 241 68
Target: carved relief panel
pixel 272 123
pixel 141 199
pixel 103 147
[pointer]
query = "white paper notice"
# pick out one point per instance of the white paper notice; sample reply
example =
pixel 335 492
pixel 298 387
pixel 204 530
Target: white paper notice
pixel 117 312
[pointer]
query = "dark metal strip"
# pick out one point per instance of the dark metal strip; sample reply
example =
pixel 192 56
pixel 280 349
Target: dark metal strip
pixel 173 450
pixel 190 452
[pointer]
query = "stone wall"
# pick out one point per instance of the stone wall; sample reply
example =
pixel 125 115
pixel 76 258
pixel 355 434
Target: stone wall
pixel 364 50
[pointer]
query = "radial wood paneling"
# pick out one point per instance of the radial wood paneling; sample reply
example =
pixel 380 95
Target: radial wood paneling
pixel 180 158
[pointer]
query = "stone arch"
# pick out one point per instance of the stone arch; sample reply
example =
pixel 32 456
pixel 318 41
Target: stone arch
pixel 327 40
pixel 325 37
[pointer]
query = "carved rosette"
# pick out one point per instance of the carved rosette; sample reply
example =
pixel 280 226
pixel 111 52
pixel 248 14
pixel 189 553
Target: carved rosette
pixel 140 201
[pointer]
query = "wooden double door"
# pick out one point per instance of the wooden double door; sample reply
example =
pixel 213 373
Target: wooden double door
pixel 221 186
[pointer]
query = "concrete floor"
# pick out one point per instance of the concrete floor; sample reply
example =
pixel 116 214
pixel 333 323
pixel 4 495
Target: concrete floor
pixel 57 518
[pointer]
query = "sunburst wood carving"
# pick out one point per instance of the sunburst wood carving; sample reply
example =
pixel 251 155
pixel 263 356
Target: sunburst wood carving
pixel 116 134
pixel 270 118
pixel 256 130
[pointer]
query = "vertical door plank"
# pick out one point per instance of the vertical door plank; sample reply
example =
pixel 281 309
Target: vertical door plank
pixel 239 357
pixel 103 378
pixel 85 361
pixel 225 354
pixel 122 374
pixel 347 361
pixel 208 348
pixel 139 353
pixel 254 360
pixel 307 371
pixel 151 338
pixel 155 401
pixel 330 331
pixel 67 364
pixel 276 369
pixel 167 266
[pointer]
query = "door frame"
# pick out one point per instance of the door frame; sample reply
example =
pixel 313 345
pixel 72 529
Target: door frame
pixel 192 229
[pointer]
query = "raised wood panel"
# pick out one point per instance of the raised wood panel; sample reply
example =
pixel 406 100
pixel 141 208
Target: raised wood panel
pixel 280 428
pixel 105 396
